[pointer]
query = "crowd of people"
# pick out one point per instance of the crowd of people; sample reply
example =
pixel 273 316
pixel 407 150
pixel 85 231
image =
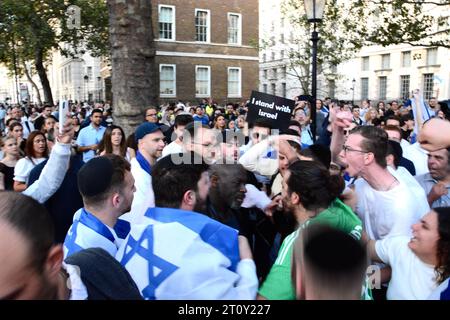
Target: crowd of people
pixel 200 203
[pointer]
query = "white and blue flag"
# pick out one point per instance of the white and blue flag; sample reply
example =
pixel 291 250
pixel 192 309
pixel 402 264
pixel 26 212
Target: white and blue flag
pixel 442 292
pixel 426 112
pixel 87 231
pixel 177 254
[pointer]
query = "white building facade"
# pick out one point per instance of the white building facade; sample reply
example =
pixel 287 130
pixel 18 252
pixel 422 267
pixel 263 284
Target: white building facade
pixel 376 73
pixel 76 79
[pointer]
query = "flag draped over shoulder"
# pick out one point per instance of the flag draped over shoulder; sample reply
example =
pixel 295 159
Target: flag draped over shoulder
pixel 177 254
pixel 87 231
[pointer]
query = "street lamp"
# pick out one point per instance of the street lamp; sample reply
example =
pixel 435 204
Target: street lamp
pixel 99 84
pixel 314 12
pixel 353 93
pixel 86 79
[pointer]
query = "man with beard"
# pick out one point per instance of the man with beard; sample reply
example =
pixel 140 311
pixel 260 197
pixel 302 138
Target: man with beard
pixel 309 193
pixel 107 186
pixel 150 140
pixel 227 193
pixel 178 253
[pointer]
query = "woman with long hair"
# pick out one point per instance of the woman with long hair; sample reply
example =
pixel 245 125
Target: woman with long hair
pixel 48 129
pixel 419 263
pixel 16 132
pixel 11 155
pixel 36 151
pixel 114 142
pixel 220 123
pixel 370 117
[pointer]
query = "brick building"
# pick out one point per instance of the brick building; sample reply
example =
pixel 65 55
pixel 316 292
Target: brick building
pixel 204 49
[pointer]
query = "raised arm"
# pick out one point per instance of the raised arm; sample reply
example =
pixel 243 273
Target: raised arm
pixel 55 169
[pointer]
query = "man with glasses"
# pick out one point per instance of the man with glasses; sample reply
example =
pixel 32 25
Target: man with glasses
pixel 202 140
pixel 151 114
pixel 386 205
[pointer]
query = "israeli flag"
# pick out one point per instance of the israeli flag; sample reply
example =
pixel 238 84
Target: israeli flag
pixel 87 231
pixel 427 113
pixel 177 254
pixel 442 292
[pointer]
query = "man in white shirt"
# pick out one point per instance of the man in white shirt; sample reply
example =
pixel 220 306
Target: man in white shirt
pixel 150 141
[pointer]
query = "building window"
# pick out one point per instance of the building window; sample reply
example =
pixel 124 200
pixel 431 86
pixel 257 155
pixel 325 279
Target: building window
pixel 69 73
pixel 264 57
pixel 364 88
pixel 282 54
pixel 404 87
pixel 202 25
pixel 331 88
pixel 427 85
pixel 382 82
pixel 283 88
pixel 365 64
pixel 202 81
pixel 406 59
pixel 385 61
pixel 234 82
pixel 273 55
pixel 89 72
pixel 333 69
pixel 265 88
pixel 274 89
pixel 166 22
pixel 274 73
pixel 234 28
pixel 167 80
pixel 282 38
pixel 265 73
pixel 283 72
pixel 432 56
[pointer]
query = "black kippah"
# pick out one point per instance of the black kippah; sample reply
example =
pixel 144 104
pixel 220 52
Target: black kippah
pixel 95 176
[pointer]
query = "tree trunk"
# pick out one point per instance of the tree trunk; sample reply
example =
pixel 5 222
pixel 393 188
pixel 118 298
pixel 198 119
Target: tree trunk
pixel 132 61
pixel 33 84
pixel 39 64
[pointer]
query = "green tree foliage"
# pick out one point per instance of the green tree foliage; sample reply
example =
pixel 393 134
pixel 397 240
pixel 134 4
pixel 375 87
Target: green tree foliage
pixel 31 29
pixel 335 45
pixel 417 22
pixel 350 24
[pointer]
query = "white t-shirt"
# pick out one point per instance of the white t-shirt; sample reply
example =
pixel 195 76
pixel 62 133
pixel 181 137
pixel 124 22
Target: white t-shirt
pixel 388 213
pixel 403 174
pixel 23 168
pixel 418 156
pixel 411 278
pixel 172 148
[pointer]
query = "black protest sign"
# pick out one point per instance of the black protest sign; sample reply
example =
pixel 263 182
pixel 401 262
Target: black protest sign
pixel 277 110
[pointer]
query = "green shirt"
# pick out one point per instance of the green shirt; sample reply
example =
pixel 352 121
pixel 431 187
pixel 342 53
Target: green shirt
pixel 278 284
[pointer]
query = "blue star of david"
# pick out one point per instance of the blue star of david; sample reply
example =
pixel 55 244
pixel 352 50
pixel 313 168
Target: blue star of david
pixel 153 260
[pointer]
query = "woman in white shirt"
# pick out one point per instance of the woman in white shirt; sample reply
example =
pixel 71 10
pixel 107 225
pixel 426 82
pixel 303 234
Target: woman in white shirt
pixel 419 264
pixel 36 151
pixel 114 142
